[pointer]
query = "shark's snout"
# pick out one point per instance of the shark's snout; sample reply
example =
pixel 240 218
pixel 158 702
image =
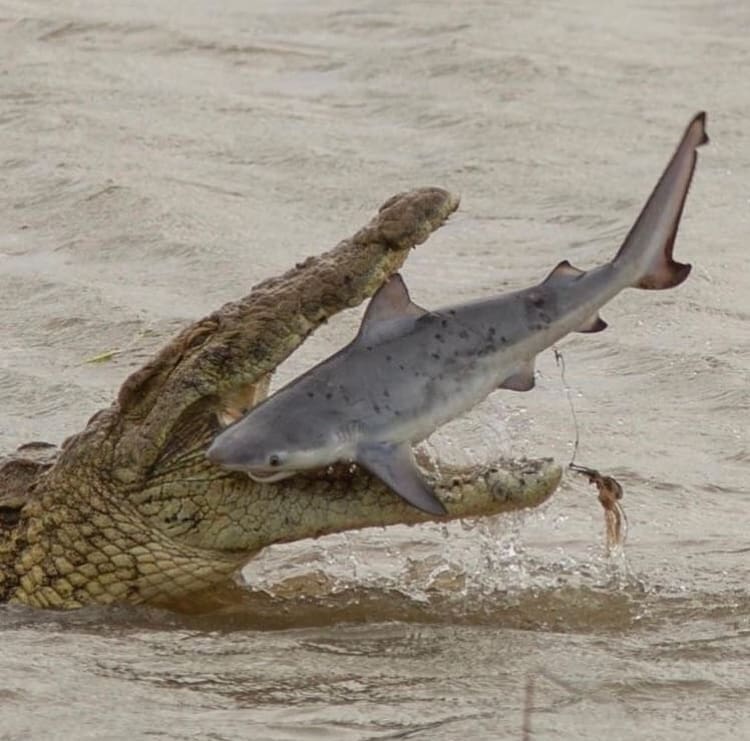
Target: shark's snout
pixel 229 454
pixel 215 453
pixel 224 453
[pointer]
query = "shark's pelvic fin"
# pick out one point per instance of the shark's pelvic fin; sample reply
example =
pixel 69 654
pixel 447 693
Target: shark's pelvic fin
pixel 395 466
pixel 521 380
pixel 595 324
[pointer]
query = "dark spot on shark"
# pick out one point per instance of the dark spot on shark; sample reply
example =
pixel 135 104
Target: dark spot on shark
pixel 388 358
pixel 545 317
pixel 463 334
pixel 435 355
pixel 491 331
pixel 452 312
pixel 368 348
pixel 503 338
pixel 401 367
pixel 376 408
pixel 311 395
pixel 329 395
pixel 386 393
pixel 444 323
pixel 439 337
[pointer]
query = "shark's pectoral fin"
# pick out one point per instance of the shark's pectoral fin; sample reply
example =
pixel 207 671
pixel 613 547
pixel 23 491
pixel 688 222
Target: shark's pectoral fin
pixel 395 466
pixel 521 380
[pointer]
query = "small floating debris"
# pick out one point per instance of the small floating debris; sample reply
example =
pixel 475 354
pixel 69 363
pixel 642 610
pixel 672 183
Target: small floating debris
pixel 132 347
pixel 610 497
pixel 104 356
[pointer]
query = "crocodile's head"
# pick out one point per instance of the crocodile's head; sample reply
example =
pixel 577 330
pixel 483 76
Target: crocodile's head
pixel 132 511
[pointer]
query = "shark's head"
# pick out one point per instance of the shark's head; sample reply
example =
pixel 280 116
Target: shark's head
pixel 270 452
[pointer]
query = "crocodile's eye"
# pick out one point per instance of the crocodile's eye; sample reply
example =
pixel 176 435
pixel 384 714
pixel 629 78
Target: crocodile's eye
pixel 274 460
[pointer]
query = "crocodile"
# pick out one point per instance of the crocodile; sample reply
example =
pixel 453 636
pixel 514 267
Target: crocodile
pixel 130 510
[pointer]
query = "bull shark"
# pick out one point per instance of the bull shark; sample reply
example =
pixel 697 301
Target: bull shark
pixel 410 370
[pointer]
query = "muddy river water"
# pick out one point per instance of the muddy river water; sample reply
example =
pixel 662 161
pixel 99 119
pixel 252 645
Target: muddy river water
pixel 158 158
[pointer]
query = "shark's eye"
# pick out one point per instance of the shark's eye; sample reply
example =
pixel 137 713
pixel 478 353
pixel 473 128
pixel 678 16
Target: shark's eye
pixel 274 460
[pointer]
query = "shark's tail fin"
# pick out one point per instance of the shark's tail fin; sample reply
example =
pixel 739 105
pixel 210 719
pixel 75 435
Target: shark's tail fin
pixel 647 250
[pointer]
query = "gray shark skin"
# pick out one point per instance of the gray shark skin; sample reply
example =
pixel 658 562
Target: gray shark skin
pixel 410 370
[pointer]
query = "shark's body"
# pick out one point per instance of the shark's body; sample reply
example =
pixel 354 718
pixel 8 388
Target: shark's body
pixel 409 370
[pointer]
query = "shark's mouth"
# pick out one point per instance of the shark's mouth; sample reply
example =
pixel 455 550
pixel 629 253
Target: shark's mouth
pixel 267 478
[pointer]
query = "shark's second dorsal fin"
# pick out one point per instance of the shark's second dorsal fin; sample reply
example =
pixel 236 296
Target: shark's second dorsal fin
pixel 391 301
pixel 563 272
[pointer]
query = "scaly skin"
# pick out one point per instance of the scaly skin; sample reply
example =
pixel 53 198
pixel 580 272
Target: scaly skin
pixel 130 511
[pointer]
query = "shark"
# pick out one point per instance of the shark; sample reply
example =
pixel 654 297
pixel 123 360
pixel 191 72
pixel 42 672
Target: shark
pixel 410 370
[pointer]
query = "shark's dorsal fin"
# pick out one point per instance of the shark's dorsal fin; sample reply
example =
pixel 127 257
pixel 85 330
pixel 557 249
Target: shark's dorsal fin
pixel 394 465
pixel 563 272
pixel 391 301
